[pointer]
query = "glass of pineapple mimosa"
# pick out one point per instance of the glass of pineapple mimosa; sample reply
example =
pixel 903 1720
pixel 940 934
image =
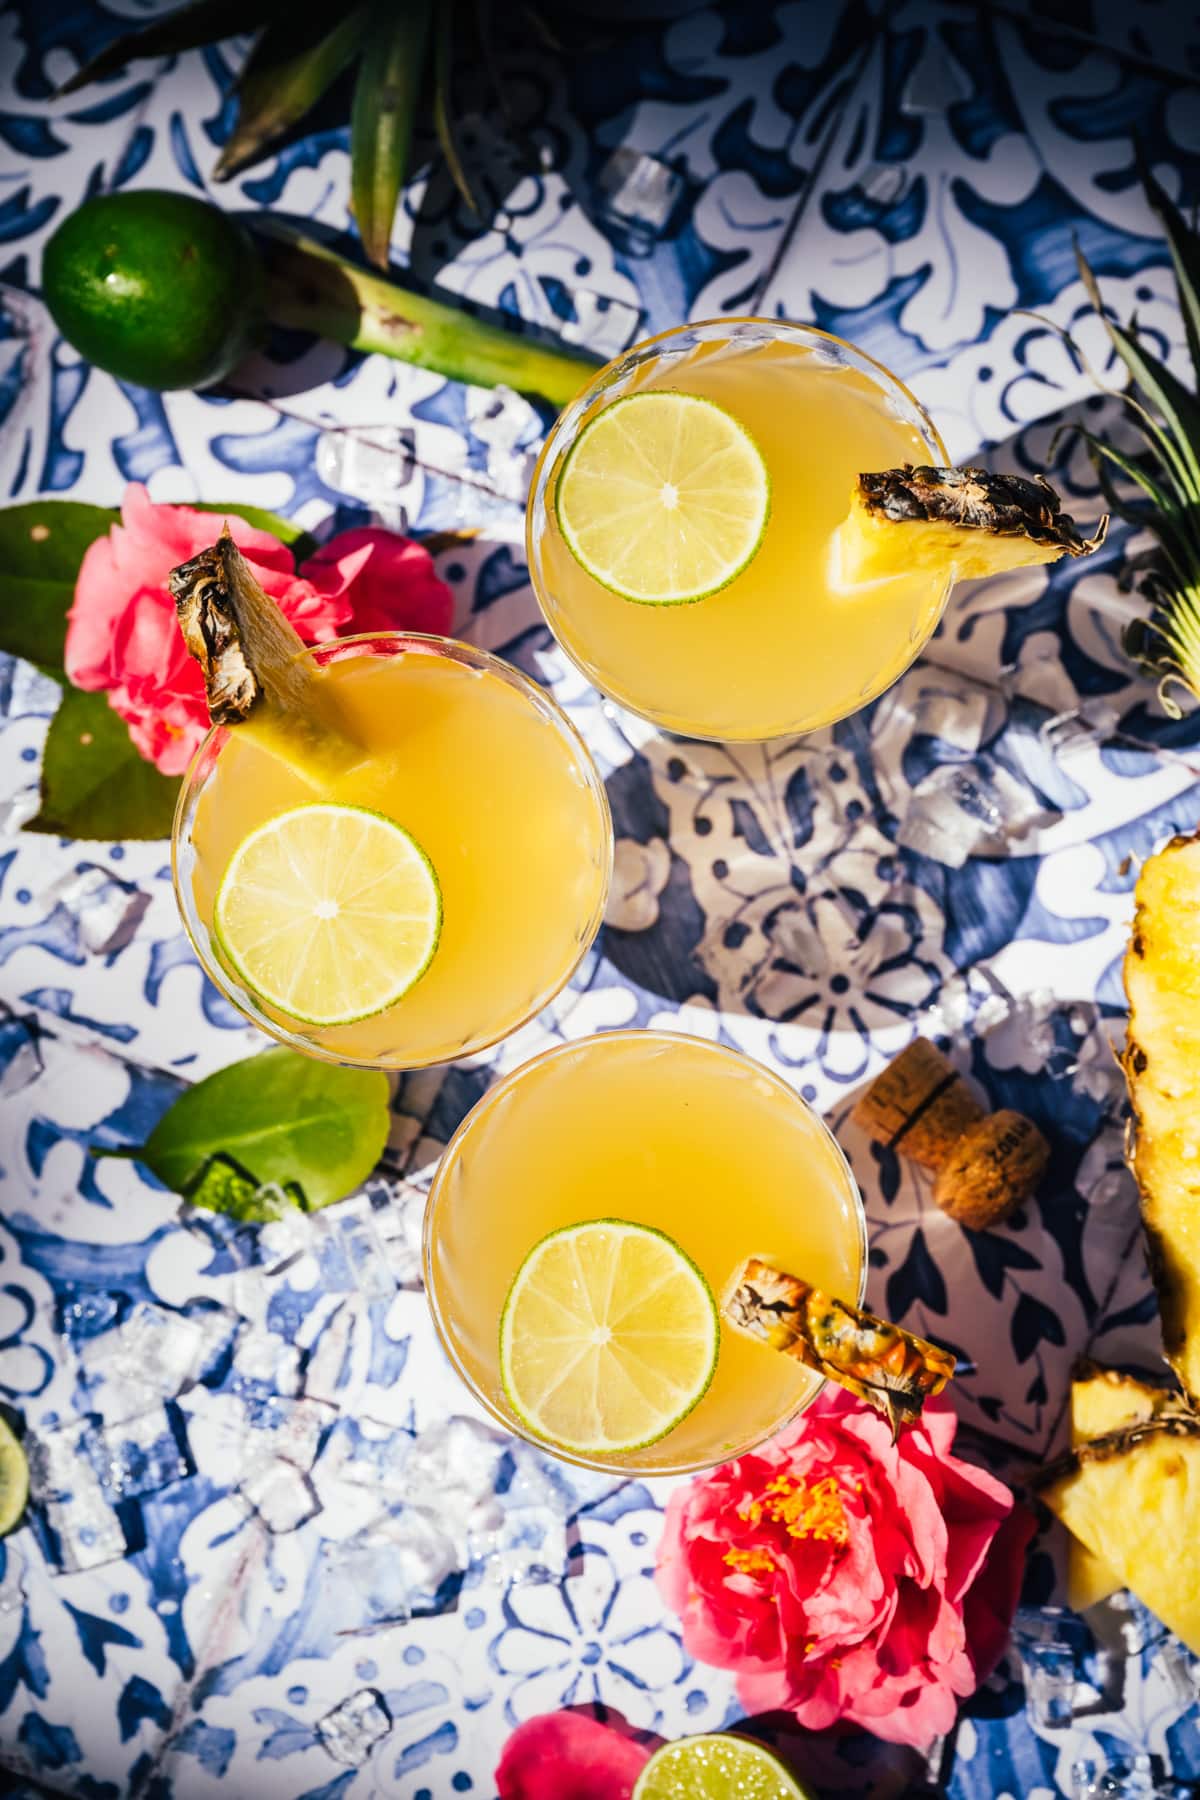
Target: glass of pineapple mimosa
pixel 626 1178
pixel 469 817
pixel 771 646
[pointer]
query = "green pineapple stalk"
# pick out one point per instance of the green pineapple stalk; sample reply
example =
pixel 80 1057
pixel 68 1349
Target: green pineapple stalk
pixel 1166 470
pixel 398 51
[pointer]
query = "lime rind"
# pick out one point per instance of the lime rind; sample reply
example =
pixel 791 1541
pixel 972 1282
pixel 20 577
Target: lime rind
pixel 282 1003
pixel 573 464
pixel 717 1766
pixel 593 1446
pixel 14 1479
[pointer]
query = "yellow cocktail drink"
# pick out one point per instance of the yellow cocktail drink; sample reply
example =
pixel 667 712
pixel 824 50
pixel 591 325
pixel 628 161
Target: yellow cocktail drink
pixel 779 648
pixel 656 1131
pixel 491 782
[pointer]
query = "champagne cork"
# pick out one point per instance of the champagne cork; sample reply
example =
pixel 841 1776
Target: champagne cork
pixel 984 1164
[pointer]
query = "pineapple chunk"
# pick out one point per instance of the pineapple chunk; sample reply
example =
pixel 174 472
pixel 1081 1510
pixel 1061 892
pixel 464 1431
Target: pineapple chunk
pixel 1162 1067
pixel 1133 1498
pixel 962 523
pixel 1101 1401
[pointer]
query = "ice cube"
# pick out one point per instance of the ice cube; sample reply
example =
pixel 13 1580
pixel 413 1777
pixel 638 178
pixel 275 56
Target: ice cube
pixel 450 1468
pixel 1049 1641
pixel 518 1544
pixel 398 1215
pixel 969 809
pixel 281 1495
pixel 151 1355
pixel 141 1455
pixel 66 1489
pixel 297 1429
pixel 12 1583
pixel 351 1731
pixel 1121 1778
pixel 402 1559
pixel 365 1255
pixel 374 463
pixel 638 195
pixel 20 1058
pixel 264 1363
pixel 368 1455
pixel 106 909
pixel 328 1373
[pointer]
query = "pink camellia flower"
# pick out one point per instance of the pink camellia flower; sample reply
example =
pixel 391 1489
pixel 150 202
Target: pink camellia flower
pixel 122 634
pixel 568 1756
pixel 847 1579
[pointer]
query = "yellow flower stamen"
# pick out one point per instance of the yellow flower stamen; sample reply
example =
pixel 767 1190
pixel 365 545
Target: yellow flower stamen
pixel 806 1509
pixel 750 1562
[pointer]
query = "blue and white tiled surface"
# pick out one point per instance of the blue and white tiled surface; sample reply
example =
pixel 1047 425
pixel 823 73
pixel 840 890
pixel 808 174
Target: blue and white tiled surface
pixel 275 1550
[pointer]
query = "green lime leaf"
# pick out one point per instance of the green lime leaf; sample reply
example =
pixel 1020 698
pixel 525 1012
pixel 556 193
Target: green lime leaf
pixel 94 782
pixel 282 1116
pixel 41 548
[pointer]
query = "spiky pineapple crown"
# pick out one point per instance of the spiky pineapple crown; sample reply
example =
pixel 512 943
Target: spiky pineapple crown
pixel 1166 470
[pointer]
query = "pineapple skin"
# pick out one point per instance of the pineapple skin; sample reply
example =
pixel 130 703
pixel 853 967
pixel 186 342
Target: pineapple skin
pixel 1133 1498
pixel 1162 1068
pixel 1102 1400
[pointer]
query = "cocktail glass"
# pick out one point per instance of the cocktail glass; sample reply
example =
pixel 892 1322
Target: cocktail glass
pixel 497 787
pixel 658 1129
pixel 779 650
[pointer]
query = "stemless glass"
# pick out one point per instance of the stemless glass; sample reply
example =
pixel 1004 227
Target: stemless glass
pixel 780 650
pixel 495 784
pixel 658 1129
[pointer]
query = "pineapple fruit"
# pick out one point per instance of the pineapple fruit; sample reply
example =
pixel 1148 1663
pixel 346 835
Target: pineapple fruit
pixel 1162 1068
pixel 1132 1498
pixel 1102 1401
pixel 967 522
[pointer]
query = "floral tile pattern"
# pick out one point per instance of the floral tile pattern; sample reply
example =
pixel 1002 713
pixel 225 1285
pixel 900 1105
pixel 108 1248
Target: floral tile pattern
pixel 297 1562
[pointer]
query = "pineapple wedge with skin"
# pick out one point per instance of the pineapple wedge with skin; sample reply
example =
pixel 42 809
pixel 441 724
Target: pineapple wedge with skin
pixel 1133 1498
pixel 1103 1400
pixel 961 522
pixel 1162 1068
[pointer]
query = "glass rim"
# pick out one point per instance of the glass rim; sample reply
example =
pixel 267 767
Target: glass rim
pixel 565 430
pixel 509 1424
pixel 199 772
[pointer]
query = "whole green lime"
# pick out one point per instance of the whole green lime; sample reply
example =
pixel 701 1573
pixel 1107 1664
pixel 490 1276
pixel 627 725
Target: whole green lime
pixel 158 288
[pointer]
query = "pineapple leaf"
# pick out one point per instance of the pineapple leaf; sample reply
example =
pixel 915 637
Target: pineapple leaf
pixel 390 78
pixel 1161 521
pixel 200 22
pixel 1180 410
pixel 442 119
pixel 1185 255
pixel 285 75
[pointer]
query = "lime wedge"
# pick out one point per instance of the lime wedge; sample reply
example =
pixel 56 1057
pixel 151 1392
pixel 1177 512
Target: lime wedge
pixel 608 1338
pixel 14 1480
pixel 716 1768
pixel 329 913
pixel 663 498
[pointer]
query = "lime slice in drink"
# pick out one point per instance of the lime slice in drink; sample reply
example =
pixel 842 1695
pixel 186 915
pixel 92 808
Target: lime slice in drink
pixel 14 1480
pixel 716 1768
pixel 329 913
pixel 664 498
pixel 608 1339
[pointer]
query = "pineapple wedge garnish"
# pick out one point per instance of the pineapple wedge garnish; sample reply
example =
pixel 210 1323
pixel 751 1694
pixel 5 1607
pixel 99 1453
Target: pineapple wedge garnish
pixel 1133 1498
pixel 1102 1400
pixel 256 676
pixel 1162 1067
pixel 960 522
